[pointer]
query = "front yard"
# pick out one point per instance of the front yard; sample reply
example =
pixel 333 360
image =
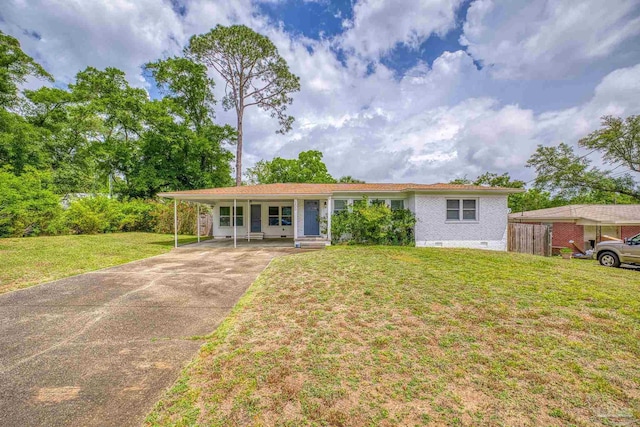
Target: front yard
pixel 28 261
pixel 403 336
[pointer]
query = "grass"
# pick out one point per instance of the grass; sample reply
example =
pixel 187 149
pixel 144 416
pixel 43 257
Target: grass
pixel 28 261
pixel 404 336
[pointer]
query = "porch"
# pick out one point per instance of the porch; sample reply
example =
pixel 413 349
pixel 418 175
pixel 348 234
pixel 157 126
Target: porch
pixel 266 222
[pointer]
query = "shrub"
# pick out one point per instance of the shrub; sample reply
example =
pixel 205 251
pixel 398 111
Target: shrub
pixel 27 205
pixel 375 224
pixel 161 217
pixel 93 215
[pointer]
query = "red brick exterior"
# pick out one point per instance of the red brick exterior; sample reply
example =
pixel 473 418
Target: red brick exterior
pixel 565 231
pixel 629 231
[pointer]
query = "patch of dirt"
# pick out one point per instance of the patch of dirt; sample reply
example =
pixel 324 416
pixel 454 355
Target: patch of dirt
pixel 57 394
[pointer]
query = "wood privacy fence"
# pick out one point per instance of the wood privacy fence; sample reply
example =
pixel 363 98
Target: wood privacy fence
pixel 529 239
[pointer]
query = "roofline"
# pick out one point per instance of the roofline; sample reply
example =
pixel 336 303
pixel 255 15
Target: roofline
pixel 488 190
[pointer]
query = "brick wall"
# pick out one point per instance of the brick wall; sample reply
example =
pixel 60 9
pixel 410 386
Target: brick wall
pixel 565 231
pixel 629 231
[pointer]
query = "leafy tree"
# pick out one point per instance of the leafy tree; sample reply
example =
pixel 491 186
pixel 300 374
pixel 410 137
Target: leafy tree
pixel 27 204
pixel 186 83
pixel 15 66
pixel 254 73
pixel 572 176
pixel 348 179
pixel 308 167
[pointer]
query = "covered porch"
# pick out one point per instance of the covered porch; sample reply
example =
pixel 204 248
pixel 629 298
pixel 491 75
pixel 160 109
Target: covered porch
pixel 262 221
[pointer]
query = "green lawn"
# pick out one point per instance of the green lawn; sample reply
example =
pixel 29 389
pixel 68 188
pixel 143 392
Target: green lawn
pixel 29 261
pixel 403 336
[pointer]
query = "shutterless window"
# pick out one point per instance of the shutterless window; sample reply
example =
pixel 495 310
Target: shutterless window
pixel 397 204
pixel 453 210
pixel 225 216
pixel 274 216
pixel 465 210
pixel 339 206
pixel 240 216
pixel 469 210
pixel 378 202
pixel 285 218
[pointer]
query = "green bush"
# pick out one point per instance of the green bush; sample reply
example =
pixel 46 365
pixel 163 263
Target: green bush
pixel 27 205
pixel 162 217
pixel 375 224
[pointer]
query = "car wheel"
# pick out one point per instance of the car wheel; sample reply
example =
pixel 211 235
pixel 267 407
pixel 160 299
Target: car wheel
pixel 609 259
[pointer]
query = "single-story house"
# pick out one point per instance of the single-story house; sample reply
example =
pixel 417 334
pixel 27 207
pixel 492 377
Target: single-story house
pixel 584 224
pixel 449 215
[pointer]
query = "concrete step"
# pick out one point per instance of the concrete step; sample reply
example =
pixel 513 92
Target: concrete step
pixel 256 236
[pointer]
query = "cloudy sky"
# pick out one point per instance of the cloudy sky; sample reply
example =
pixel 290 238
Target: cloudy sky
pixel 392 90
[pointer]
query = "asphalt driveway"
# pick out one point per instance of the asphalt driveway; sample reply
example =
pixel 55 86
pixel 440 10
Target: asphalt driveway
pixel 100 348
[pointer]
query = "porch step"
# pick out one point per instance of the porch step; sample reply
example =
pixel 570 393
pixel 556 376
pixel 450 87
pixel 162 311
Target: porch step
pixel 256 236
pixel 310 243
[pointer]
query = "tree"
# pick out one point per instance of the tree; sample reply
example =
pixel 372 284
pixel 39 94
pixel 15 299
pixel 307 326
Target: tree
pixel 254 73
pixel 348 179
pixel 562 170
pixel 15 66
pixel 186 83
pixel 308 167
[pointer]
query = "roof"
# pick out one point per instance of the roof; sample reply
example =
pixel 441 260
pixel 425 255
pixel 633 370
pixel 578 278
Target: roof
pixel 603 214
pixel 293 189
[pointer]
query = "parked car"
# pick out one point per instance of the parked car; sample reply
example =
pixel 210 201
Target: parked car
pixel 615 252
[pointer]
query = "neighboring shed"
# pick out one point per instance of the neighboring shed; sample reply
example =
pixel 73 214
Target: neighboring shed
pixel 584 224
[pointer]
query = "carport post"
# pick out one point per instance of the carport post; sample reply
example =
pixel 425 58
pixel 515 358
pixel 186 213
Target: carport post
pixel 248 215
pixel 198 213
pixel 175 223
pixel 235 226
pixel 329 212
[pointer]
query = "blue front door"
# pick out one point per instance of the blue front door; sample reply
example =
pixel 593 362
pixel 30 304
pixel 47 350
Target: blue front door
pixel 312 217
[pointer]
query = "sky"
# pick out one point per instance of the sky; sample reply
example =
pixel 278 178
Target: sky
pixel 391 90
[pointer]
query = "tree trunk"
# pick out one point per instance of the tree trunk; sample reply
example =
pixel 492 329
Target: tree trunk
pixel 239 151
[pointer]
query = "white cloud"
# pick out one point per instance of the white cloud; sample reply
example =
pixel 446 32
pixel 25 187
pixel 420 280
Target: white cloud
pixel 550 39
pixel 378 25
pixel 435 123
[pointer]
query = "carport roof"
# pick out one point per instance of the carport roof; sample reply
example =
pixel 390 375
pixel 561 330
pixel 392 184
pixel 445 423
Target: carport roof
pixel 295 189
pixel 600 214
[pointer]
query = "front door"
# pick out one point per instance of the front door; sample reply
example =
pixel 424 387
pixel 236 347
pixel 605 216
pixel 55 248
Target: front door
pixel 256 218
pixel 312 217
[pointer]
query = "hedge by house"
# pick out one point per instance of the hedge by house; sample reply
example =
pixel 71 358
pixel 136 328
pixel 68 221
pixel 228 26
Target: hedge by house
pixel 373 224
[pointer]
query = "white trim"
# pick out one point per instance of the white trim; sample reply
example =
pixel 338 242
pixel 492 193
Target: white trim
pixel 329 214
pixel 248 226
pixel 175 223
pixel 235 224
pixel 295 219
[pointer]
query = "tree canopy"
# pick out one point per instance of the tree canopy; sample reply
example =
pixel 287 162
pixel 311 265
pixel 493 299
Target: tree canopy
pixel 254 74
pixel 562 170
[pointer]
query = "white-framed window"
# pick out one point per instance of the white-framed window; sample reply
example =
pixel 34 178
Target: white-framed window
pixel 340 206
pixel 397 205
pixel 376 202
pixel 285 217
pixel 274 216
pixel 280 215
pixel 462 209
pixel 225 216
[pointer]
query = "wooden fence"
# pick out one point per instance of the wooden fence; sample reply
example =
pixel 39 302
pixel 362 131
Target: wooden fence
pixel 529 239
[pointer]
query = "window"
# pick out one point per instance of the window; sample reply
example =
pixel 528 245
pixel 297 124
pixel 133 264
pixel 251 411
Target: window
pixel 465 210
pixel 274 216
pixel 339 206
pixel 469 210
pixel 453 210
pixel 225 216
pixel 280 216
pixel 377 202
pixel 239 216
pixel 397 205
pixel 286 215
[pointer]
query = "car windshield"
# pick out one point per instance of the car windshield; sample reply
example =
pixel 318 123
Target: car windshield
pixel 635 240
